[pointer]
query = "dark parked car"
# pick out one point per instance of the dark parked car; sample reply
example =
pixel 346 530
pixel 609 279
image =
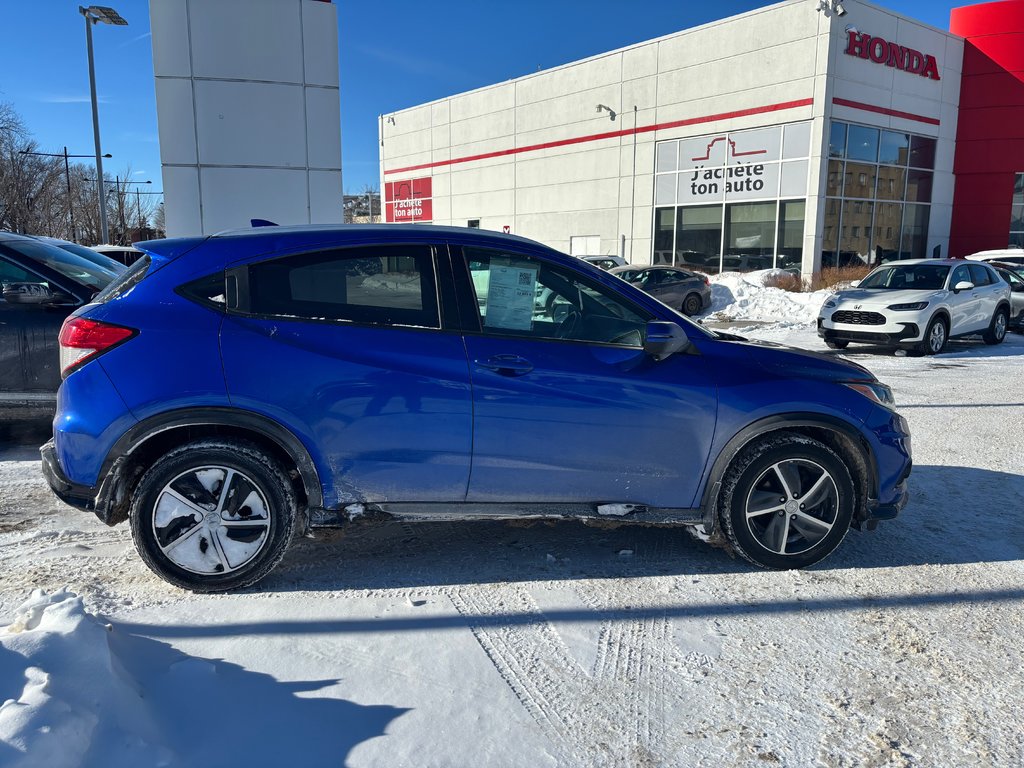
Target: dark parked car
pixel 41 285
pixel 685 291
pixel 86 253
pixel 126 254
pixel 304 377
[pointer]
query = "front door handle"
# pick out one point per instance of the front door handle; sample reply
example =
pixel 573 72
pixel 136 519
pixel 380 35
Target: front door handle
pixel 506 365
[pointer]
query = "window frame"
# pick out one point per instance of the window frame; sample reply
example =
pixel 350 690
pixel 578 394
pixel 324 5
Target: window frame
pixel 239 296
pixel 469 307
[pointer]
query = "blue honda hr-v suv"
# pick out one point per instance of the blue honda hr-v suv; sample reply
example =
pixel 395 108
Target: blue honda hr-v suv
pixel 228 393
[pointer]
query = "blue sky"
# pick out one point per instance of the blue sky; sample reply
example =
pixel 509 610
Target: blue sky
pixel 393 55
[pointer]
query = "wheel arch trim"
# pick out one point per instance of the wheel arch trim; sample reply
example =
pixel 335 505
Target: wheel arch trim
pixel 777 423
pixel 284 438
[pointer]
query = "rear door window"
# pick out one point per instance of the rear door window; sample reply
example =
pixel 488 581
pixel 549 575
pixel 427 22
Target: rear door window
pixel 980 275
pixel 388 284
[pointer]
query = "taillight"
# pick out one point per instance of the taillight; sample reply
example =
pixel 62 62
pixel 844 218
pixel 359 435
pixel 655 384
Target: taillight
pixel 82 339
pixel 706 280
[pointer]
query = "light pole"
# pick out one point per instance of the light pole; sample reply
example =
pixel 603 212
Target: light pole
pixel 67 178
pixel 121 202
pixel 93 14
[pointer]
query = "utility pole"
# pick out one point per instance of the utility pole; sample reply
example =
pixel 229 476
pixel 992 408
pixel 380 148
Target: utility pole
pixel 71 204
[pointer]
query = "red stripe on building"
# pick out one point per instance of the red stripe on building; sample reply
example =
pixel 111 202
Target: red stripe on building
pixel 610 135
pixel 884 111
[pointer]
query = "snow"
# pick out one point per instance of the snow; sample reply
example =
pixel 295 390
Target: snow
pixel 739 296
pixel 542 645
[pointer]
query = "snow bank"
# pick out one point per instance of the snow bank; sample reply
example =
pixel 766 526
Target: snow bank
pixel 744 296
pixel 66 698
pixel 77 691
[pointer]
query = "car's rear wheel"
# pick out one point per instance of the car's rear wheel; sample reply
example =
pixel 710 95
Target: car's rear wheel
pixel 213 515
pixel 935 337
pixel 833 344
pixel 997 328
pixel 692 305
pixel 786 501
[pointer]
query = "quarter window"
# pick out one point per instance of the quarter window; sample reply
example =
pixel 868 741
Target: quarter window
pixel 390 285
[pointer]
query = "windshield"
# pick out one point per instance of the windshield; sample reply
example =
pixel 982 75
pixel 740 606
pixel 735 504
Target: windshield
pixel 913 277
pixel 65 263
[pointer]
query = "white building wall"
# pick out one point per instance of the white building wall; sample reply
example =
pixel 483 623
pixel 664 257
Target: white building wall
pixel 248 112
pixel 537 156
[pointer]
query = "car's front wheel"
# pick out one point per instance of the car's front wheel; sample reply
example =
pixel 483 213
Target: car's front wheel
pixel 997 328
pixel 213 515
pixel 935 336
pixel 786 502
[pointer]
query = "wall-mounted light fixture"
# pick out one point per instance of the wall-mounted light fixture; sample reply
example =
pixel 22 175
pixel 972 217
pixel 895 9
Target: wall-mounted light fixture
pixel 831 6
pixel 605 108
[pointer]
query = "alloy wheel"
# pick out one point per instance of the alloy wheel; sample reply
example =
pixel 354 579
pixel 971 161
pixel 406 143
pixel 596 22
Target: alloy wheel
pixel 792 506
pixel 937 338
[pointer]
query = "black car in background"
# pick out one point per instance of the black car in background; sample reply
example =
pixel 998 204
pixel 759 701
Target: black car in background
pixel 40 285
pixel 86 253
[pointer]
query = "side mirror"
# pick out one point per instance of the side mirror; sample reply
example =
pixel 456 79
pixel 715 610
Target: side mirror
pixel 664 339
pixel 1017 287
pixel 855 283
pixel 963 285
pixel 27 293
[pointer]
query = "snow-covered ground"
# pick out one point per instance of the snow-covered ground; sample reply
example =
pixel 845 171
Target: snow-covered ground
pixel 488 644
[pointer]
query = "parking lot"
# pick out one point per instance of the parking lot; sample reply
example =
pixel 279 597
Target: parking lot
pixel 445 644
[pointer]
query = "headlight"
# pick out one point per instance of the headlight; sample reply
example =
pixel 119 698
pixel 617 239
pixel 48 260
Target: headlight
pixel 830 303
pixel 875 391
pixel 908 307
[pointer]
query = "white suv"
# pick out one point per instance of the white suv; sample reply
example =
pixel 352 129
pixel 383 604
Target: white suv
pixel 918 304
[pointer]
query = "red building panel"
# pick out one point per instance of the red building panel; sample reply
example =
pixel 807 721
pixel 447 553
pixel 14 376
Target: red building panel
pixel 990 130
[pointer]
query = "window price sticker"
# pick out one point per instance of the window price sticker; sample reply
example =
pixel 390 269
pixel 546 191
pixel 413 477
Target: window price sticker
pixel 510 297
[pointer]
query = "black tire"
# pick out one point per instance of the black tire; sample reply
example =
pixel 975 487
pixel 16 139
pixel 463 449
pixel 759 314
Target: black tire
pixel 752 481
pixel 235 542
pixel 833 344
pixel 933 341
pixel 692 305
pixel 997 328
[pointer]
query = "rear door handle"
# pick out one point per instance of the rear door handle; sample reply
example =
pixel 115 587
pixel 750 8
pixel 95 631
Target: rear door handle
pixel 506 365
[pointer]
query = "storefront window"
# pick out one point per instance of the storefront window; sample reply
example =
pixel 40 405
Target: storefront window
pixel 892 183
pixel 859 180
pixel 750 232
pixel 699 236
pixel 888 218
pixel 737 198
pixel 915 232
pixel 664 232
pixel 837 140
pixel 922 152
pixel 894 148
pixel 1017 212
pixel 855 234
pixel 862 144
pixel 880 209
pixel 791 234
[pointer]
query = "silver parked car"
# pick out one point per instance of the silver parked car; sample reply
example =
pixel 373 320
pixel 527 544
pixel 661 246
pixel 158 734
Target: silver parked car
pixel 1012 274
pixel 688 292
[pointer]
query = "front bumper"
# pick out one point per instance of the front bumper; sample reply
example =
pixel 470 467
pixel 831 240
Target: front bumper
pixel 904 334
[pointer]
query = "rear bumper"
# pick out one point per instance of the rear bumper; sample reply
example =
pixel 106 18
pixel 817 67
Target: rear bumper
pixel 108 500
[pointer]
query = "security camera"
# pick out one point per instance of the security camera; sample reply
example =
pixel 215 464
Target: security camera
pixel 839 9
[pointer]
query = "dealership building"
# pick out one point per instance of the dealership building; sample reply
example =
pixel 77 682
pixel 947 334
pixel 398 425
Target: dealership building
pixel 804 134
